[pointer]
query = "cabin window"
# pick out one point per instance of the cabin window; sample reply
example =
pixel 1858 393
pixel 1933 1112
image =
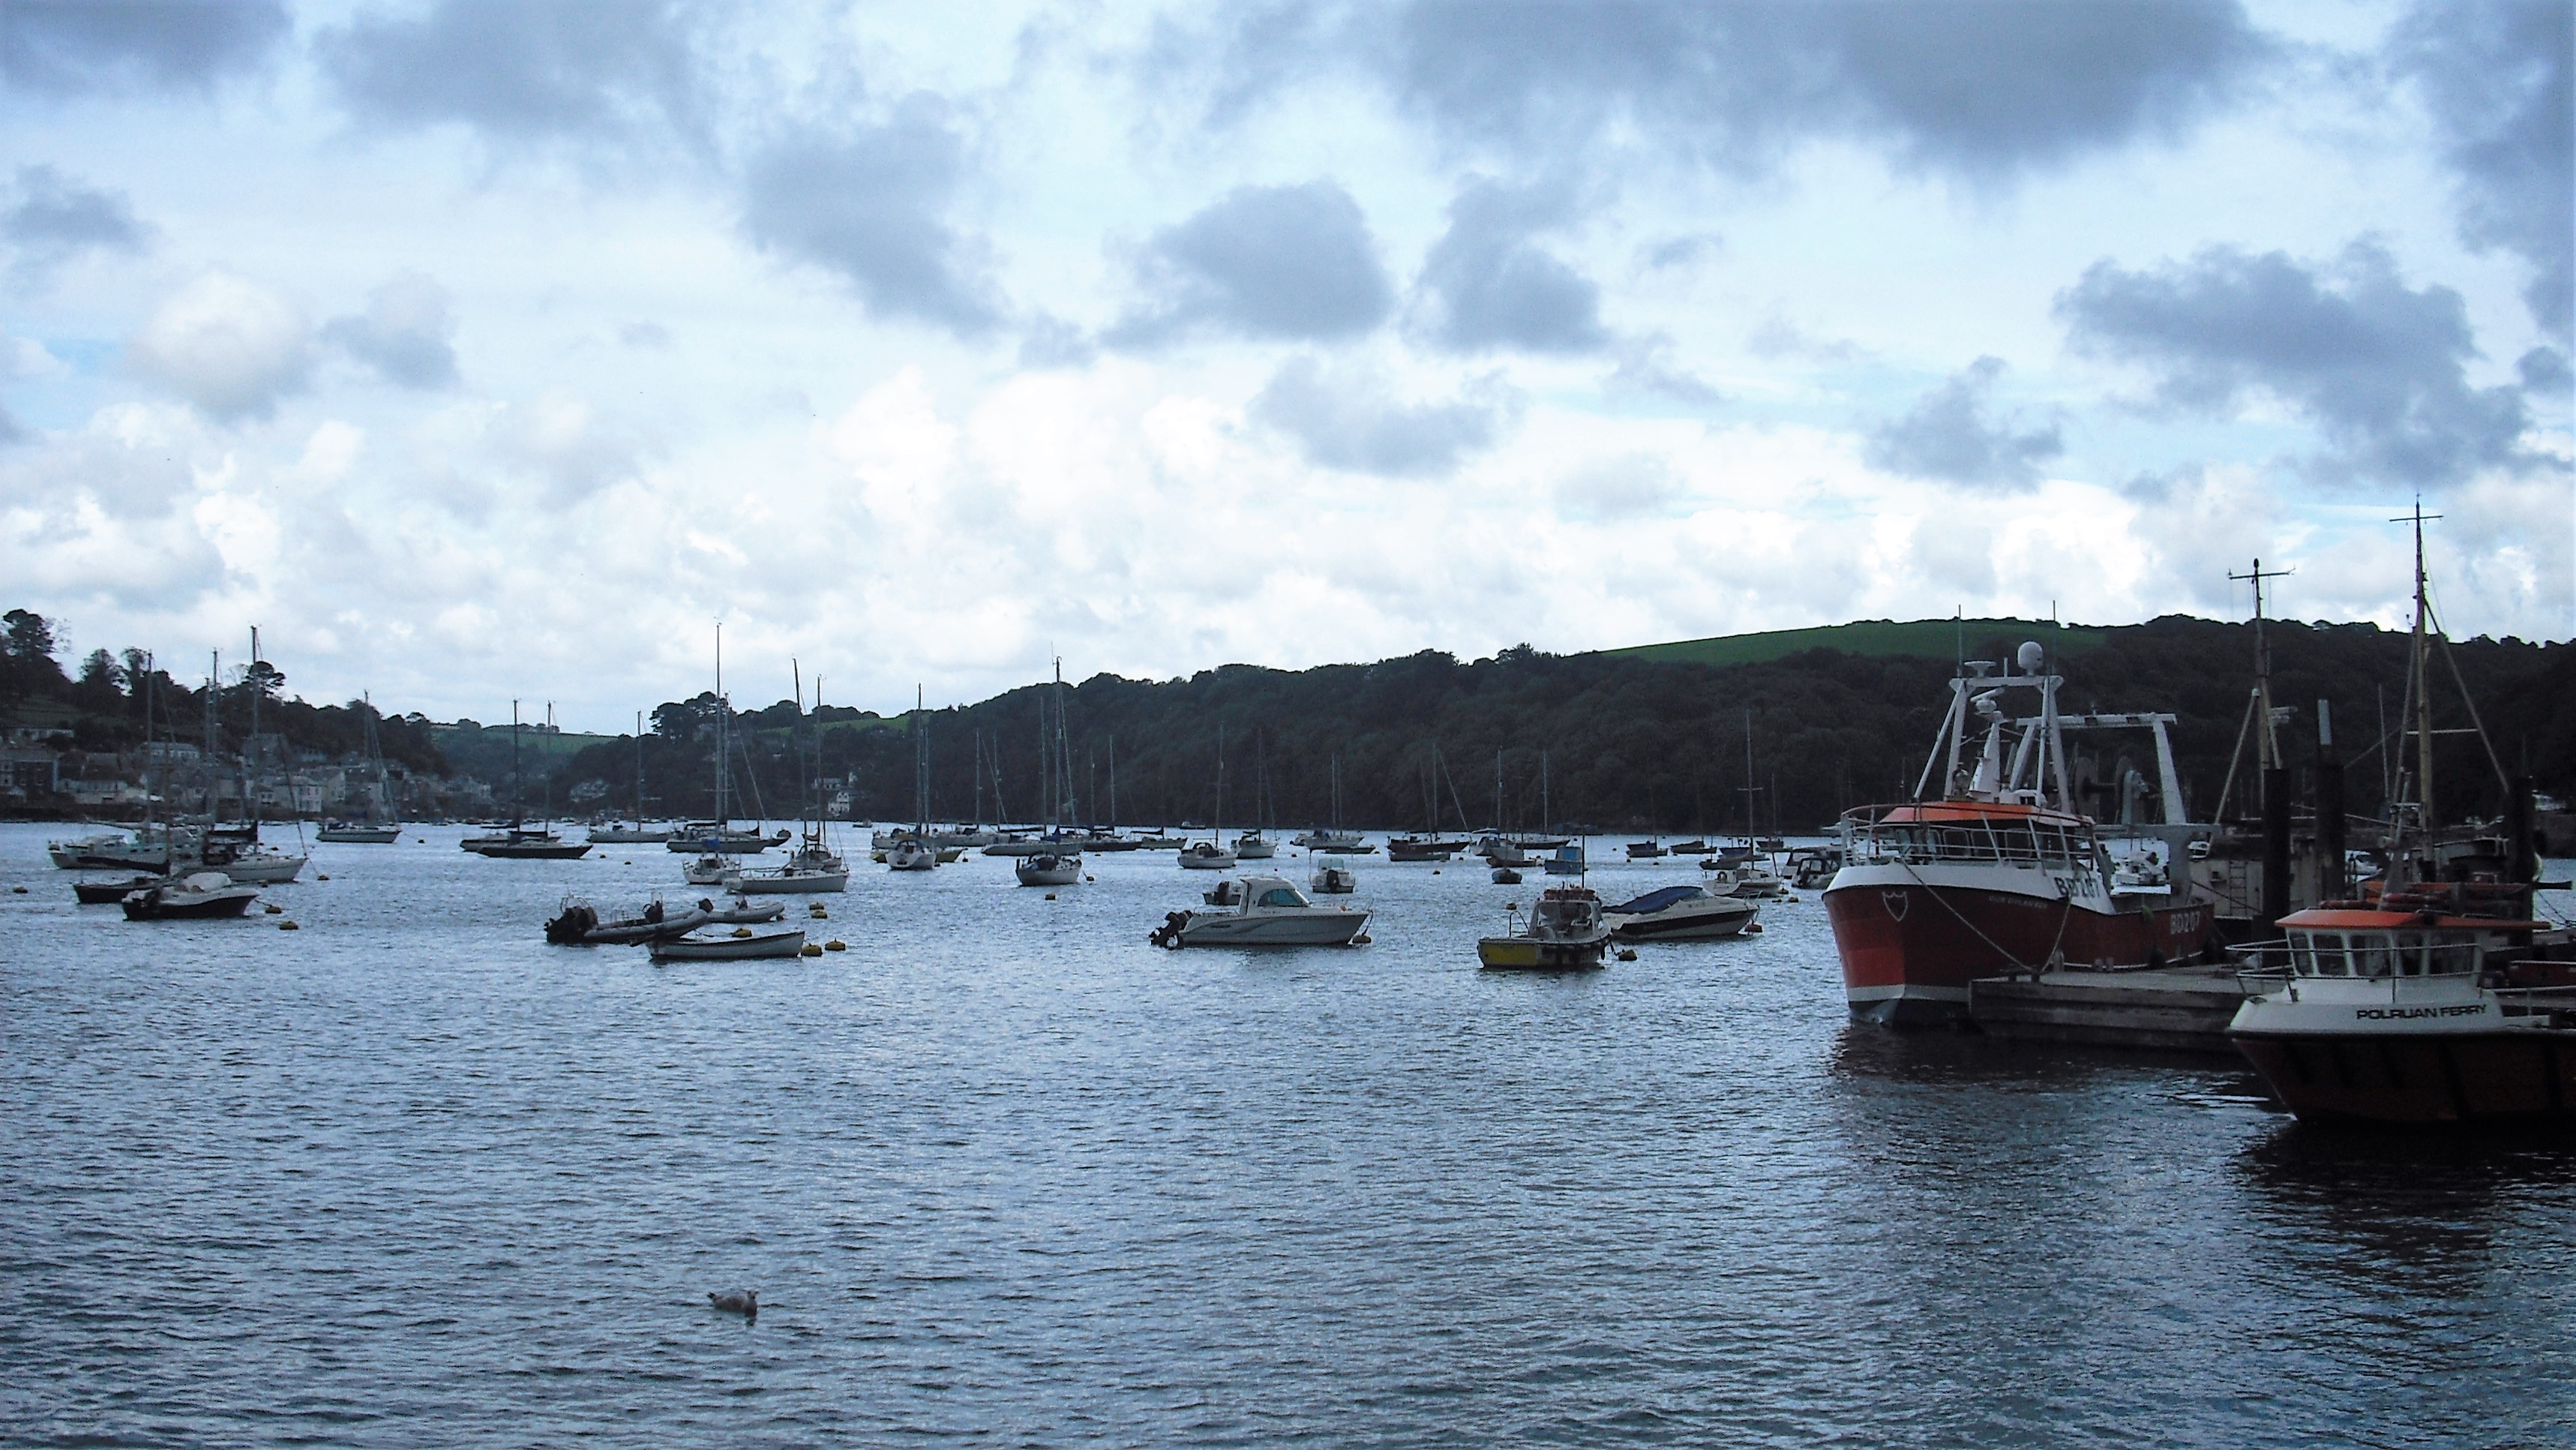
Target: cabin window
pixel 2414 957
pixel 2327 949
pixel 2372 955
pixel 1282 896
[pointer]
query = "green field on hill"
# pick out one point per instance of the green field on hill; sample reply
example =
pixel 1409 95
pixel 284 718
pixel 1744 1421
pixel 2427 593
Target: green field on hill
pixel 1868 638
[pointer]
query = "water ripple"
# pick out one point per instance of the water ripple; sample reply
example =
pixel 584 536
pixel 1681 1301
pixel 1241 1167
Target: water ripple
pixel 1005 1174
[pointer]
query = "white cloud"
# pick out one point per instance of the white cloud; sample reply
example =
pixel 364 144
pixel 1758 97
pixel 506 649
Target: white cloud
pixel 1508 389
pixel 227 344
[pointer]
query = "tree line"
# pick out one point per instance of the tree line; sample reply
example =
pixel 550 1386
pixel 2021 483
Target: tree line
pixel 106 704
pixel 1529 739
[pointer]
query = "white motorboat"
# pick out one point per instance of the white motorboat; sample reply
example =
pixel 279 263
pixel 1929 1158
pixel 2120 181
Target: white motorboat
pixel 1680 913
pixel 1325 838
pixel 112 851
pixel 707 871
pixel 357 833
pixel 1048 869
pixel 1273 914
pixel 1333 876
pixel 195 896
pixel 1750 882
pixel 742 945
pixel 1206 856
pixel 1254 846
pixel 1568 861
pixel 912 854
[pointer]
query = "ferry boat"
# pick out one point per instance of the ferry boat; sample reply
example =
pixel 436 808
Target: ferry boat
pixel 2410 1007
pixel 2433 997
pixel 1997 873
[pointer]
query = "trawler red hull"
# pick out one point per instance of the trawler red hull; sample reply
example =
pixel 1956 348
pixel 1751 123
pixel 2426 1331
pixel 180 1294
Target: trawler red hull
pixel 1910 947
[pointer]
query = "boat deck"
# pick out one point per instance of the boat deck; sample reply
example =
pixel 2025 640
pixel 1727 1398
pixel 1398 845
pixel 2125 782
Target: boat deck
pixel 2183 1009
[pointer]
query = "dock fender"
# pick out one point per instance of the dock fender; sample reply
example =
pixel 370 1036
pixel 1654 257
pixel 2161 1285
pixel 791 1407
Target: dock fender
pixel 2155 959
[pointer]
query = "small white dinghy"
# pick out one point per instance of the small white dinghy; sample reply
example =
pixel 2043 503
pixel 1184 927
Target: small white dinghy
pixel 745 945
pixel 742 911
pixel 1206 856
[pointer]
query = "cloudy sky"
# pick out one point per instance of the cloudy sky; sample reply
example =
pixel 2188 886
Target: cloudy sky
pixel 479 348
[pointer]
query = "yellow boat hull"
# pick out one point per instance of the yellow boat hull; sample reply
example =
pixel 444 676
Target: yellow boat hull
pixel 1529 954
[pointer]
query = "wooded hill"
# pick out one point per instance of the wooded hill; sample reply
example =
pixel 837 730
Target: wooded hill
pixel 106 705
pixel 1651 739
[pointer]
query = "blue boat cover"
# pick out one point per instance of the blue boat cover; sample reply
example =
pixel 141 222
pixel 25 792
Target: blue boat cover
pixel 1656 900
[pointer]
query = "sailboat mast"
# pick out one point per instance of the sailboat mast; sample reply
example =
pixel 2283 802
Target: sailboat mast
pixel 1064 751
pixel 2422 684
pixel 724 722
pixel 250 676
pixel 214 690
pixel 518 796
pixel 154 781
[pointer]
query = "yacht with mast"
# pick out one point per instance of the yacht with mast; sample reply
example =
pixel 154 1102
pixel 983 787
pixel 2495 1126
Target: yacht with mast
pixel 813 868
pixel 520 842
pixel 914 850
pixel 377 825
pixel 1211 854
pixel 634 832
pixel 1059 863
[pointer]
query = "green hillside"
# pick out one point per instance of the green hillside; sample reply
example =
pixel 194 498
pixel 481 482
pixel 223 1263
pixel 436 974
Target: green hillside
pixel 1937 639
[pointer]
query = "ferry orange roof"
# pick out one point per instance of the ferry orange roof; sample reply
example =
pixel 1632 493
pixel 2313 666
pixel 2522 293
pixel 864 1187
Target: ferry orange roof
pixel 1975 810
pixel 2345 918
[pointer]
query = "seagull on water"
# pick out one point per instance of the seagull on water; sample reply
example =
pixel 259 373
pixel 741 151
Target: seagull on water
pixel 745 1302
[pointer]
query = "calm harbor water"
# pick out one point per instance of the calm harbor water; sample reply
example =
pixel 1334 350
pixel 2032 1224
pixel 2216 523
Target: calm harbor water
pixel 1004 1174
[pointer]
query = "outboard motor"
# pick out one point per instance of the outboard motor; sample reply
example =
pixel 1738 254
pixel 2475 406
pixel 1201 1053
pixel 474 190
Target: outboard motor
pixel 574 924
pixel 1168 935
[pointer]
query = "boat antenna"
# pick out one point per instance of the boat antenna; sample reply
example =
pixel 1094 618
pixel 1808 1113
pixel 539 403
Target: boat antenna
pixel 518 796
pixel 2268 741
pixel 2418 678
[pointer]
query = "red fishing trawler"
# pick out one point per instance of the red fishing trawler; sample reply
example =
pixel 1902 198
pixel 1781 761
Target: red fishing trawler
pixel 1999 873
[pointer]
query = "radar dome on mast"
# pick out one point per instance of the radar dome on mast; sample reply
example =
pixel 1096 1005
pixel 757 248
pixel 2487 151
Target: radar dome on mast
pixel 2030 656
